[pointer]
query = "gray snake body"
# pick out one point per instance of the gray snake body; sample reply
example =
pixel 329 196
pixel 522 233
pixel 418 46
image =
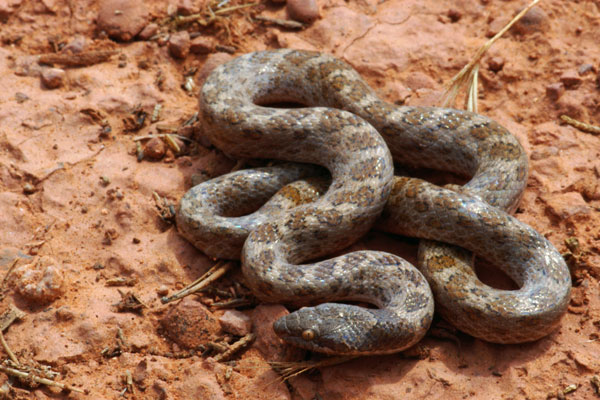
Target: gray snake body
pixel 345 128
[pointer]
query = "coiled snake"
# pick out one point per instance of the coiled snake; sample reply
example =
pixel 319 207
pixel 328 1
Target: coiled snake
pixel 347 129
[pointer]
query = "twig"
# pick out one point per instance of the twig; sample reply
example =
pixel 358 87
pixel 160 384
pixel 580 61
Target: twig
pixel 129 302
pixel 472 96
pixel 11 355
pixel 288 370
pixel 14 264
pixel 166 210
pixel 233 8
pixel 161 135
pixel 121 337
pixel 459 79
pixel 225 49
pixel 582 126
pixel 44 381
pixel 209 277
pixel 129 381
pixel 237 346
pixel 82 59
pixel 182 20
pixel 172 143
pixel 10 316
pixel 5 321
pixel 284 23
pixel 241 301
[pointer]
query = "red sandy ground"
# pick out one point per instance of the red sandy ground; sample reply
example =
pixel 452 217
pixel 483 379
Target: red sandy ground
pixel 407 50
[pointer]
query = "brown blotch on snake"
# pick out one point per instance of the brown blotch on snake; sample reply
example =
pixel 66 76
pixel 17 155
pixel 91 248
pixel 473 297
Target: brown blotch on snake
pixel 236 118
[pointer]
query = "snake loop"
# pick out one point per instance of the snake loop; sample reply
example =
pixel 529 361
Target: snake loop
pixel 340 129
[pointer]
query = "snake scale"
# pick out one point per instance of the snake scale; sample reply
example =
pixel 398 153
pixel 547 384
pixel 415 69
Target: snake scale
pixel 282 221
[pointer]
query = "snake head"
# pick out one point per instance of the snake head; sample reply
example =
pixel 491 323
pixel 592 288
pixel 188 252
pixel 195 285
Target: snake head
pixel 342 329
pixel 327 328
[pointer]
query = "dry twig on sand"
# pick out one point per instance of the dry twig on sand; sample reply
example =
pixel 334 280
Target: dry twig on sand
pixel 470 71
pixel 83 59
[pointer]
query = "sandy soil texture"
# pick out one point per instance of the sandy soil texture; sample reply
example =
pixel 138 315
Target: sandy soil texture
pixel 85 204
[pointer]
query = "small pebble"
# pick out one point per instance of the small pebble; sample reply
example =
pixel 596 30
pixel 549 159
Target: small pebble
pixel 122 61
pixel 212 62
pixel 495 63
pixel 155 149
pixel 495 26
pixel 555 90
pixel 21 97
pixel 76 45
pixel 40 282
pixel 584 69
pixel 306 11
pixel 570 79
pixel 53 78
pixel 98 266
pixel 169 156
pixel 122 19
pixel 8 7
pixel 64 314
pixel 202 45
pixel 186 7
pixel 162 290
pixel 179 44
pixel 535 20
pixel 140 372
pixel 566 205
pixel 454 15
pixel 235 322
pixel 28 188
pixel 190 324
pixel 149 30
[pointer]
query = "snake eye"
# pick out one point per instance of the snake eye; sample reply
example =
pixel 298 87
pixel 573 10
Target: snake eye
pixel 308 335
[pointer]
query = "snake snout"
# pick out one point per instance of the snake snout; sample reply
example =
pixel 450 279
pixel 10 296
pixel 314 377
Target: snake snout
pixel 298 325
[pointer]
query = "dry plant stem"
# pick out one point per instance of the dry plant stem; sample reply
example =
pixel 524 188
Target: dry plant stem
pixel 13 265
pixel 195 17
pixel 285 23
pixel 172 143
pixel 11 355
pixel 37 379
pixel 472 97
pixel 10 316
pixel 582 126
pixel 129 381
pixel 233 303
pixel 237 346
pixel 461 78
pixel 290 369
pixel 209 277
pixel 161 135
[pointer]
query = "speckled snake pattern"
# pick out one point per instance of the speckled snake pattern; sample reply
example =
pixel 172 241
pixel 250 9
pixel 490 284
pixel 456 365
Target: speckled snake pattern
pixel 277 219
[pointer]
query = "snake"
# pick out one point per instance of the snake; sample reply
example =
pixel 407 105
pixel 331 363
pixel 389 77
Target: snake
pixel 337 143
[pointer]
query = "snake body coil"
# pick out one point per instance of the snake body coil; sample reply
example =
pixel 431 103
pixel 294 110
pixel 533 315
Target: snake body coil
pixel 345 128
